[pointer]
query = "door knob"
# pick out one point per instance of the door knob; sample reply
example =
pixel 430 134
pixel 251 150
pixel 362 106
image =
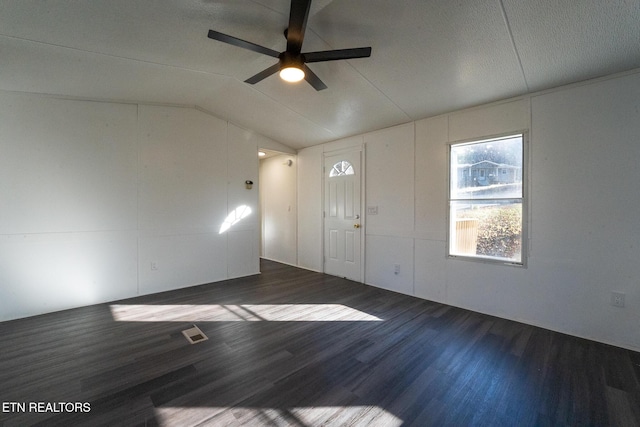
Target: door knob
pixel 356 225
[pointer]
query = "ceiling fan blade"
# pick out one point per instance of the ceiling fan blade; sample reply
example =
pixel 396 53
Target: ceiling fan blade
pixel 334 55
pixel 312 79
pixel 297 24
pixel 242 43
pixel 263 74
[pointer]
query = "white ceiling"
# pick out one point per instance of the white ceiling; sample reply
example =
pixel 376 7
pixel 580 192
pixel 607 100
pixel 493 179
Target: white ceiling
pixel 429 56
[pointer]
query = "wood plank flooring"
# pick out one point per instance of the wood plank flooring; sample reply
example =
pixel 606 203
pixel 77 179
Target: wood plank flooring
pixel 291 347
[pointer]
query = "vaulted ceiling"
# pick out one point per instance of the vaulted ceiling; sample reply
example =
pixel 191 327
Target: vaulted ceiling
pixel 429 56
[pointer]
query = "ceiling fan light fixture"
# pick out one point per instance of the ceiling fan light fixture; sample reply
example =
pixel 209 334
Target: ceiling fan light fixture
pixel 291 74
pixel 292 62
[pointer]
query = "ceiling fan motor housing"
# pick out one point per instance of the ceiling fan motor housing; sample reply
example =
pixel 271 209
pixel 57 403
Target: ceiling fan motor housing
pixel 289 59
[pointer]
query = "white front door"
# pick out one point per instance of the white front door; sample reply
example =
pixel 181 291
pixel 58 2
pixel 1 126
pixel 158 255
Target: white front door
pixel 342 232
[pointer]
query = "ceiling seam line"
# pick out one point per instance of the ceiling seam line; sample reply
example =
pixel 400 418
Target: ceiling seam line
pixel 280 104
pixel 407 115
pixel 108 55
pixel 168 66
pixel 268 8
pixel 292 111
pixel 513 44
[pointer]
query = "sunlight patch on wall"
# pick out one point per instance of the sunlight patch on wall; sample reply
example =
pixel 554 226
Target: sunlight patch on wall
pixel 303 416
pixel 237 215
pixel 238 313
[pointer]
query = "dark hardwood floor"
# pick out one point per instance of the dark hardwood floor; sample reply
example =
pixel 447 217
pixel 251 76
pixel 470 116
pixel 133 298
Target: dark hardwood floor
pixel 293 347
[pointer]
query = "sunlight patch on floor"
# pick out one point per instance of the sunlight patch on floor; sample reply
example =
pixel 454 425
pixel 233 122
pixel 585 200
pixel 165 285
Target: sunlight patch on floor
pixel 239 312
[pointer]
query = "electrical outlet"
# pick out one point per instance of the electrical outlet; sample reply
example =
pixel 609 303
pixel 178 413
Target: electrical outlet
pixel 396 269
pixel 617 299
pixel 154 265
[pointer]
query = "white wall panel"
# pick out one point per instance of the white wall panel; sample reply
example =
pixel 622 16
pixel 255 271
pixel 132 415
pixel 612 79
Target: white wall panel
pixel 47 272
pixel 180 261
pixel 382 255
pixel 430 270
pixel 242 166
pixel 66 165
pixel 343 144
pixel 67 203
pixel 183 169
pixel 309 241
pixel 431 189
pixel 494 289
pixel 103 201
pixel 270 144
pixel 183 197
pixel 390 180
pixel 243 253
pixel 585 156
pixel 494 119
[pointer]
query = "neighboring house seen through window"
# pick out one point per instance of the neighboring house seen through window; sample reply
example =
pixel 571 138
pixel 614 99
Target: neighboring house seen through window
pixel 486 199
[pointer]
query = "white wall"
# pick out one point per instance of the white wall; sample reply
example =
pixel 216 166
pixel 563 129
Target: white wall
pixel 278 198
pixel 390 188
pixel 93 193
pixel 243 238
pixel 584 156
pixel 309 243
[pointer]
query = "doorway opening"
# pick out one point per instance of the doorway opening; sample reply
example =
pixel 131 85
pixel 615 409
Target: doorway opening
pixel 278 206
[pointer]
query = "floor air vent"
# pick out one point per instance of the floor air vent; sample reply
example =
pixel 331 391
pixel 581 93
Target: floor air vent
pixel 194 335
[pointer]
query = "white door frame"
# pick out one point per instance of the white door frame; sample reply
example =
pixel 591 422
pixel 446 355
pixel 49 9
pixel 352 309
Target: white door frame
pixel 363 225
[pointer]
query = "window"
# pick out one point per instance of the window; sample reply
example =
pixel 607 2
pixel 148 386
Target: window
pixel 341 168
pixel 487 208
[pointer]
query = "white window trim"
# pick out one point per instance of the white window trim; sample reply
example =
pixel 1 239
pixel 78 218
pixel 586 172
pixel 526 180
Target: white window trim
pixel 524 256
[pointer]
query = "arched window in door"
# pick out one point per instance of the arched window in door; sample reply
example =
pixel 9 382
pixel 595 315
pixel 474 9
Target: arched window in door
pixel 341 168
